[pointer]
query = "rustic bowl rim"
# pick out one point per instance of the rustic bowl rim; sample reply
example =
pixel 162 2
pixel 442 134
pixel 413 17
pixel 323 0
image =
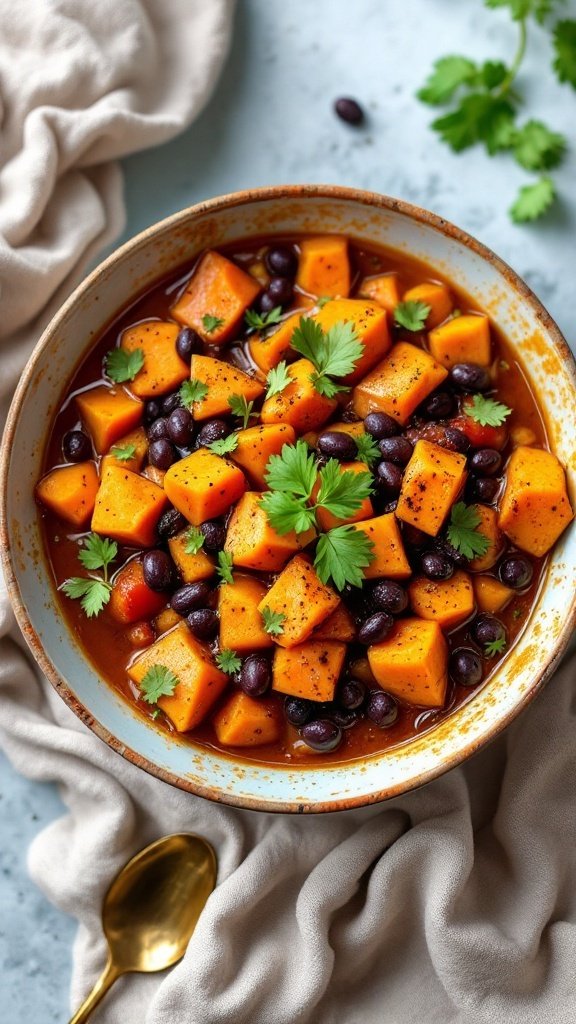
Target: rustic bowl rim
pixel 216 205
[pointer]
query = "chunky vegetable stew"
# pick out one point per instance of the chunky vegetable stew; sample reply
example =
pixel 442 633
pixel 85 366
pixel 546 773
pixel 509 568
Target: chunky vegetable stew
pixel 298 500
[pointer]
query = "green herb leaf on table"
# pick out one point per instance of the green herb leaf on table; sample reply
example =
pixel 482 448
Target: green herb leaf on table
pixel 495 647
pixel 533 201
pixel 158 682
pixel 211 323
pixel 228 661
pixel 287 512
pixel 411 315
pixel 278 379
pixel 94 594
pixel 123 452
pixel 121 365
pixel 194 540
pixel 487 411
pixel 480 117
pixel 224 567
pixel 341 555
pixel 260 321
pixel 293 470
pixel 368 450
pixel 333 353
pixel 565 49
pixel 240 407
pixel 342 492
pixel 225 445
pixel 537 148
pixel 462 531
pixel 97 552
pixel 192 391
pixel 447 75
pixel 273 621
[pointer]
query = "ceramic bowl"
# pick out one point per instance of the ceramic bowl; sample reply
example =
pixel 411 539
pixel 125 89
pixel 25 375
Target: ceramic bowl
pixel 126 274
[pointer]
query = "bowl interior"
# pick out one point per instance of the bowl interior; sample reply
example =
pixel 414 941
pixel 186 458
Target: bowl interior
pixel 130 271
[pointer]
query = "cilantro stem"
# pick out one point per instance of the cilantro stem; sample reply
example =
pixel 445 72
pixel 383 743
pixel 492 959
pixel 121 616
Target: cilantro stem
pixel 517 61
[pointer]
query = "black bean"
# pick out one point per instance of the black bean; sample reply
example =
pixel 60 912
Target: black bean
pixel 170 523
pixel 470 377
pixel 266 303
pixel 351 694
pixel 381 425
pixel 158 570
pixel 190 597
pixel 213 430
pixel 161 454
pixel 375 628
pixel 203 623
pixel 187 343
pixel 381 709
pixel 151 411
pixel 436 565
pixel 389 596
pixel 349 110
pixel 298 711
pixel 171 402
pixel 455 440
pixel 76 446
pixel 214 535
pixel 483 489
pixel 438 406
pixel 321 734
pixel 388 478
pixel 396 449
pixel 515 571
pixel 465 666
pixel 344 718
pixel 441 544
pixel 280 289
pixel 389 507
pixel 180 427
pixel 255 675
pixel 487 629
pixel 414 537
pixel 281 261
pixel 158 429
pixel 486 462
pixel 337 445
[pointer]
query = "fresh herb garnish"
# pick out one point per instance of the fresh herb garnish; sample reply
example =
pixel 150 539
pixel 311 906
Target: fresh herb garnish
pixel 565 49
pixel 121 365
pixel 321 302
pixel 194 540
pixel 411 315
pixel 240 407
pixel 533 200
pixel 341 555
pixel 487 411
pixel 228 661
pixel 368 450
pixel 93 592
pixel 123 452
pixel 211 323
pixel 259 321
pixel 224 568
pixel 225 445
pixel 192 391
pixel 463 533
pixel 278 379
pixel 273 621
pixel 158 682
pixel 495 647
pixel 333 353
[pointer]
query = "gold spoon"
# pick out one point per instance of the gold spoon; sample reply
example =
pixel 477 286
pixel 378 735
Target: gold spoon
pixel 151 909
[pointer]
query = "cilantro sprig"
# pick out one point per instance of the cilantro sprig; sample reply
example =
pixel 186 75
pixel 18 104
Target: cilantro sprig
pixel 278 379
pixel 487 411
pixel 228 661
pixel 411 315
pixel 93 592
pixel 123 452
pixel 193 540
pixel 495 647
pixel 260 321
pixel 368 450
pixel 159 681
pixel 463 531
pixel 333 353
pixel 192 391
pixel 122 366
pixel 224 445
pixel 273 621
pixel 211 323
pixel 224 567
pixel 241 408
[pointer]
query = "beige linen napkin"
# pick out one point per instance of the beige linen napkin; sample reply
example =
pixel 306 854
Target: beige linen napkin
pixel 456 903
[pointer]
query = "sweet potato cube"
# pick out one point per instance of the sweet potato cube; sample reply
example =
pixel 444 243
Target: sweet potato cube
pixel 371 327
pixel 166 619
pixel 324 267
pixel 338 626
pixel 299 404
pixel 302 598
pixel 464 339
pixel 489 528
pixel 434 295
pixel 253 543
pixel 269 349
pixel 535 508
pixel 411 663
pixel 135 439
pixel 128 508
pixel 132 599
pixel 388 555
pixel 241 626
pixel 326 520
pixel 491 595
pixel 432 482
pixel 383 288
pixel 447 602
pixel 192 567
pixel 70 492
pixel 108 414
pixel 220 289
pixel 245 722
pixel 200 681
pixel 310 670
pixel 163 370
pixel 203 485
pixel 256 445
pixel 399 383
pixel 222 380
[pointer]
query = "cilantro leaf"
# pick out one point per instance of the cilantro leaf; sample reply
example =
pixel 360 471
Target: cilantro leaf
pixel 93 593
pixel 273 621
pixel 537 148
pixel 519 9
pixel 341 555
pixel 447 75
pixel 211 323
pixel 259 321
pixel 194 540
pixel 97 552
pixel 487 411
pixel 462 533
pixel 321 302
pixel 287 512
pixel 294 470
pixel 333 353
pixel 495 647
pixel 533 201
pixel 493 73
pixel 411 315
pixel 225 445
pixel 224 568
pixel 121 365
pixel 240 407
pixel 158 682
pixel 368 450
pixel 123 452
pixel 228 661
pixel 565 49
pixel 278 379
pixel 192 391
pixel 480 117
pixel 342 491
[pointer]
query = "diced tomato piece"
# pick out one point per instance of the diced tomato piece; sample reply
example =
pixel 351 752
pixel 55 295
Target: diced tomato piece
pixel 131 598
pixel 479 436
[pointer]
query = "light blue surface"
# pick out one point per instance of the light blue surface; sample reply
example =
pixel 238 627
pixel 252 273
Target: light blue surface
pixel 271 121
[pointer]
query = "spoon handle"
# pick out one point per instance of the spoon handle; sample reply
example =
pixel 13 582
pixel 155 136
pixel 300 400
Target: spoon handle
pixel 106 979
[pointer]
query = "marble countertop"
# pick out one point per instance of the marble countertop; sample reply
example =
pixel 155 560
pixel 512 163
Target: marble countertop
pixel 271 121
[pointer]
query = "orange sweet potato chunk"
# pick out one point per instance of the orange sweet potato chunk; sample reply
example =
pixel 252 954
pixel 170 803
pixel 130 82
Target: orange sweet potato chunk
pixel 163 370
pixel 411 663
pixel 222 380
pixel 310 670
pixel 128 508
pixel 108 414
pixel 338 626
pixel 535 508
pixel 489 528
pixel 70 492
pixel 435 295
pixel 383 288
pixel 388 555
pixel 135 439
pixel 326 520
pixel 192 567
pixel 200 681
pixel 203 485
pixel 324 267
pixel 447 602
pixel 269 349
pixel 217 288
pixel 491 595
pixel 399 383
pixel 241 626
pixel 257 444
pixel 131 598
pixel 301 597
pixel 464 339
pixel 253 543
pixel 245 722
pixel 299 404
pixel 432 482
pixel 371 327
